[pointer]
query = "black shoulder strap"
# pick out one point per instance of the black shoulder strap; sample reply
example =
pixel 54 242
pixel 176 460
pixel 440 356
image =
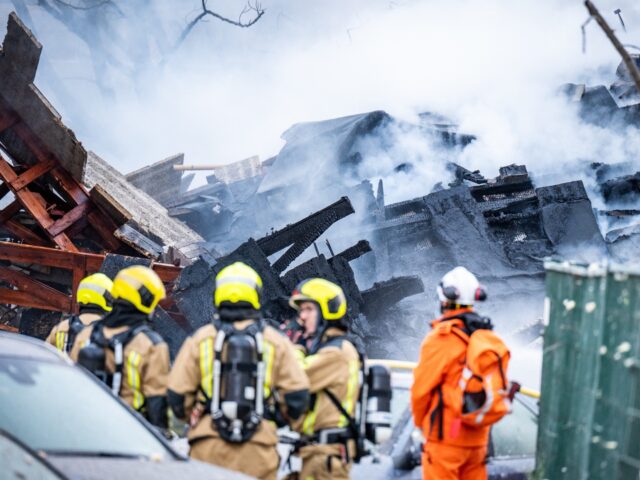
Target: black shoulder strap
pixel 353 428
pixel 75 327
pixel 229 329
pixel 97 335
pixel 461 333
pixel 151 334
pixel 438 413
pixel 473 321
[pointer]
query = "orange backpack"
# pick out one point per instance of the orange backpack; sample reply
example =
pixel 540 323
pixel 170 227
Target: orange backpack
pixel 485 393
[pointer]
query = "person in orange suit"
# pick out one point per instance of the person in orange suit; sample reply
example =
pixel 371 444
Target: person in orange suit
pixel 453 450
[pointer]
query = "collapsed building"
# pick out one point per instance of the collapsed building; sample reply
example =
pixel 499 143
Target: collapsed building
pixel 66 213
pixel 615 107
pixel 501 228
pixel 310 210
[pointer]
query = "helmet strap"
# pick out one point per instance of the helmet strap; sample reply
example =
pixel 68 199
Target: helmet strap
pixel 124 314
pixel 321 328
pixel 231 314
pixel 91 308
pixel 447 307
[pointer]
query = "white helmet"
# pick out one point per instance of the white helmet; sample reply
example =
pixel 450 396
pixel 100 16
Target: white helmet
pixel 461 287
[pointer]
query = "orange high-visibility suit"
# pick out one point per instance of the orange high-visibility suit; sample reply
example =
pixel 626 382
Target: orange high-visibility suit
pixel 453 450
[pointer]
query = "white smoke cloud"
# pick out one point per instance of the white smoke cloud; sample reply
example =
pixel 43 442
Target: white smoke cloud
pixel 228 93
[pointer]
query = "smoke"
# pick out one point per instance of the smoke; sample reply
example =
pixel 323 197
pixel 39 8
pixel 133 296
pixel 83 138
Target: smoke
pixel 492 66
pixel 228 93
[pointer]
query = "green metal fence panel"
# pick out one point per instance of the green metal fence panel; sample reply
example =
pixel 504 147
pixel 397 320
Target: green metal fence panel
pixel 589 425
pixel 575 307
pixel 614 452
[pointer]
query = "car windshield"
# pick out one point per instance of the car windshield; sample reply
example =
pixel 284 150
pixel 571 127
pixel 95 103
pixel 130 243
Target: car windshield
pixel 56 408
pixel 18 462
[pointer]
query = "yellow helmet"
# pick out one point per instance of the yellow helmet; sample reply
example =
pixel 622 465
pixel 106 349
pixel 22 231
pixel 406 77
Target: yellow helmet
pixel 329 297
pixel 238 285
pixel 96 290
pixel 140 286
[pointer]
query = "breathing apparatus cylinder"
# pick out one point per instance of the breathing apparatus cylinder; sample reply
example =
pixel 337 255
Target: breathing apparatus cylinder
pixel 93 358
pixel 378 416
pixel 237 404
pixel 239 377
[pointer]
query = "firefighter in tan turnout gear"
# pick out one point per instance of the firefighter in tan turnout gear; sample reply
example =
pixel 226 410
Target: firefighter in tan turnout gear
pixel 333 366
pixel 122 349
pixel 236 376
pixel 94 299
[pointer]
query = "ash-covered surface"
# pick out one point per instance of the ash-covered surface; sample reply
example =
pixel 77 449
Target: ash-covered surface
pixel 113 263
pixel 500 228
pixel 320 162
pixel 616 105
pixel 194 291
pixel 38 323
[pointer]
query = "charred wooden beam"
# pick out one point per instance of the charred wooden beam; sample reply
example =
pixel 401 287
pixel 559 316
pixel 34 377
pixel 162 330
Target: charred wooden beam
pixel 385 294
pixel 301 235
pixel 356 251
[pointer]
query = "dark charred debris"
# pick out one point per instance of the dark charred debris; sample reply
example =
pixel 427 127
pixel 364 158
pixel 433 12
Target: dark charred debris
pixel 308 211
pixel 508 222
pixel 616 106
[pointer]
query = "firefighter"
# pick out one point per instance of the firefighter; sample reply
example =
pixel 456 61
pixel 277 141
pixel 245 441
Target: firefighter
pixel 124 351
pixel 234 378
pixel 333 366
pixel 453 450
pixel 94 299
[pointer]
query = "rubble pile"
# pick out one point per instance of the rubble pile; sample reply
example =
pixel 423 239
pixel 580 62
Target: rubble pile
pixel 277 215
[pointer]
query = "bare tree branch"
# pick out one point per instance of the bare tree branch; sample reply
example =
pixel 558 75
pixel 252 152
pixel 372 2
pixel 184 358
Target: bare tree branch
pixel 251 6
pixel 626 58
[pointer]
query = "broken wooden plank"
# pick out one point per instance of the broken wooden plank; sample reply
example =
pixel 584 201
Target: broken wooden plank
pixel 110 205
pixel 7 120
pixel 69 219
pixel 53 257
pixel 32 174
pixel 25 233
pixel 24 299
pixel 35 205
pixel 27 284
pixel 104 229
pixel 139 242
pixel 10 211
